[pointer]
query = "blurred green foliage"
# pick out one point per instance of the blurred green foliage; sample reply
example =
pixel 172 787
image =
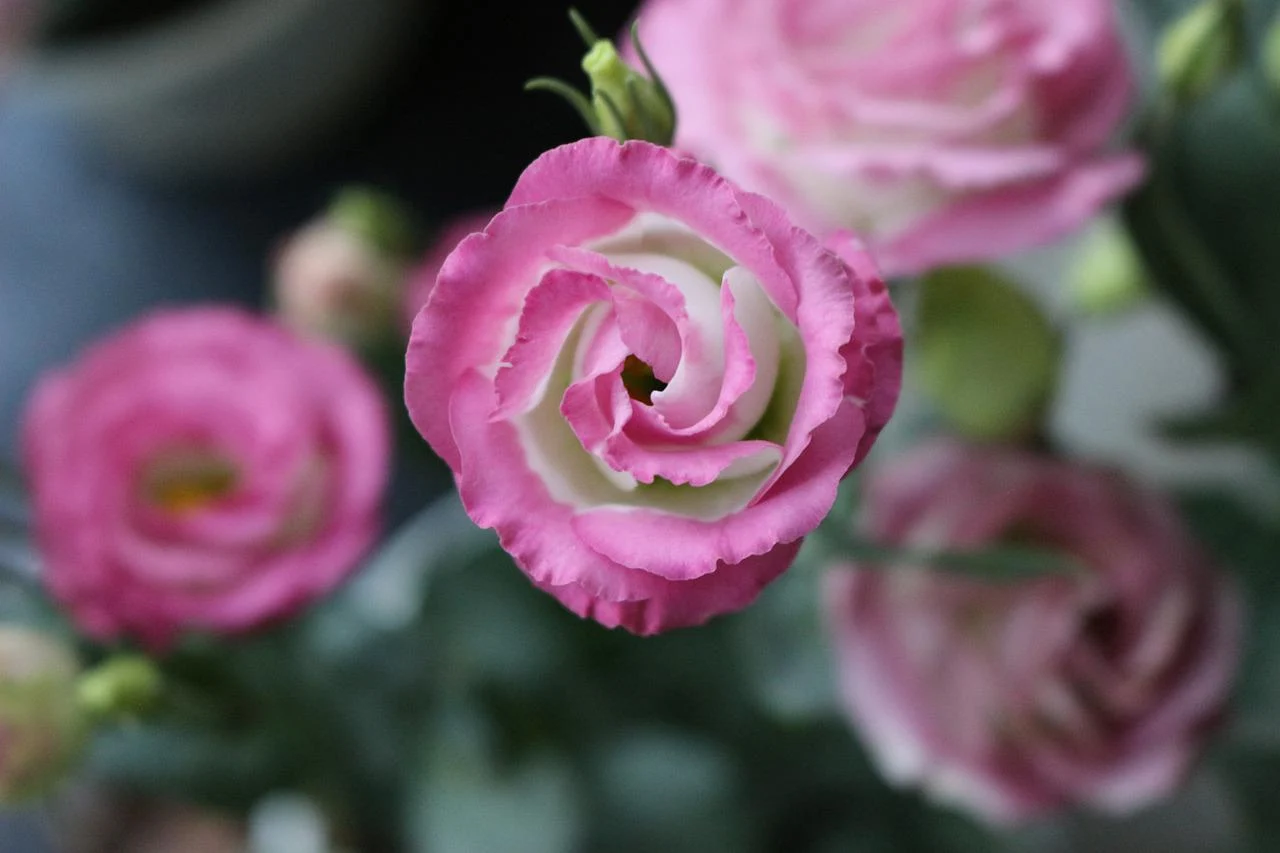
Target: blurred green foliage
pixel 1206 221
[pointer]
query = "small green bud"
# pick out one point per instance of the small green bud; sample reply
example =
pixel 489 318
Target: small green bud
pixel 376 217
pixel 1271 55
pixel 41 727
pixel 122 687
pixel 624 103
pixel 628 105
pixel 1108 277
pixel 985 354
pixel 1201 48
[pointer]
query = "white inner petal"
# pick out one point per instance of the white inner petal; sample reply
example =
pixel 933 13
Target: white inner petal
pixel 760 320
pixel 655 234
pixel 666 248
pixel 699 375
pixel 577 478
pixel 590 326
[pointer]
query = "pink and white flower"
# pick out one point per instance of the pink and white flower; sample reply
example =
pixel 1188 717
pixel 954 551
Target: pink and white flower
pixel 1011 699
pixel 942 131
pixel 650 382
pixel 203 469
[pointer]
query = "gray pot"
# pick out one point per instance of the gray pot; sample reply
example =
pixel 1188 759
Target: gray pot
pixel 237 87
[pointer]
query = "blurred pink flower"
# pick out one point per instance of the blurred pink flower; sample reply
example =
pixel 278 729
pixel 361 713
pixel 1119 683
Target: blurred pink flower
pixel 424 277
pixel 203 469
pixel 650 382
pixel 1013 698
pixel 942 131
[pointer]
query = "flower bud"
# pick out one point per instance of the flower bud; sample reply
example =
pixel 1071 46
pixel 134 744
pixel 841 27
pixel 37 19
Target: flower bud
pixel 1201 48
pixel 342 276
pixel 627 104
pixel 624 103
pixel 41 728
pixel 1108 276
pixel 986 355
pixel 124 686
pixel 1271 55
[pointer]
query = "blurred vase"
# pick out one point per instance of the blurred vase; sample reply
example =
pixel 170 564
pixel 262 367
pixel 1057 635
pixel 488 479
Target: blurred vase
pixel 228 88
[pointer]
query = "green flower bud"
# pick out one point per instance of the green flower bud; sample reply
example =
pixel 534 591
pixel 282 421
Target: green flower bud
pixel 628 105
pixel 378 218
pixel 624 103
pixel 124 686
pixel 1108 276
pixel 41 727
pixel 1271 55
pixel 985 354
pixel 1201 48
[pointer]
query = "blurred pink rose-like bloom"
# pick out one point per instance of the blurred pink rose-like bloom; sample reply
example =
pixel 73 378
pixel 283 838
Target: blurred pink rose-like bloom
pixel 650 382
pixel 1011 699
pixel 423 279
pixel 942 131
pixel 203 469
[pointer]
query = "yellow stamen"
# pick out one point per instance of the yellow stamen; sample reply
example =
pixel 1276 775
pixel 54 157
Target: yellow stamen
pixel 186 482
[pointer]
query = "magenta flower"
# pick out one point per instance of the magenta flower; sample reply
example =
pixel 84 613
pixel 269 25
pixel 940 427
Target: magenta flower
pixel 203 469
pixel 1011 699
pixel 943 131
pixel 649 382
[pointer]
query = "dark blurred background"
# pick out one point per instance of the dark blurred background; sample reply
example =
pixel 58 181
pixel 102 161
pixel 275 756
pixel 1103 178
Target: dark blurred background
pixel 97 223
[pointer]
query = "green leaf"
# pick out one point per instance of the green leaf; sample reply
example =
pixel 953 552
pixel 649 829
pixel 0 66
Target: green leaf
pixel 1252 415
pixel 1246 541
pixel 985 354
pixel 1252 776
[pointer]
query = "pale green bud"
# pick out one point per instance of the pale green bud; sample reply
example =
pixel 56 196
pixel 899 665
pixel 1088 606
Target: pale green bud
pixel 628 105
pixel 625 103
pixel 1108 276
pixel 125 686
pixel 985 354
pixel 1200 49
pixel 1271 55
pixel 378 218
